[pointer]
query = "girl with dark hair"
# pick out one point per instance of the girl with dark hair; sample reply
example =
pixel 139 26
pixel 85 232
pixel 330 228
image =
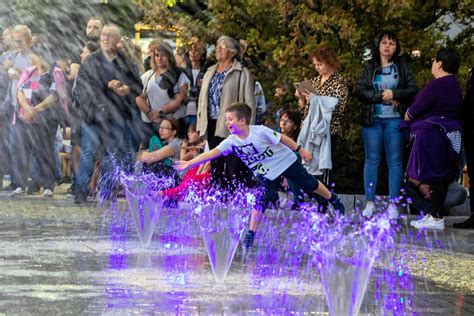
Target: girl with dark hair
pixel 433 122
pixel 197 178
pixel 290 122
pixel 386 87
pixel 169 130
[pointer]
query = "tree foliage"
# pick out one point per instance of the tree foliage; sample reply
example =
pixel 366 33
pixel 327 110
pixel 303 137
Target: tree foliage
pixel 282 34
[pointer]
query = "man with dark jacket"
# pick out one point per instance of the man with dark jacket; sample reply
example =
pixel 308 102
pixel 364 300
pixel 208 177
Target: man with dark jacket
pixel 106 87
pixel 468 133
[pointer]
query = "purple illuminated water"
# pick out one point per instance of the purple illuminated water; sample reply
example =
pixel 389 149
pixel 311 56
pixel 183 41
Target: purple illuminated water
pixel 292 250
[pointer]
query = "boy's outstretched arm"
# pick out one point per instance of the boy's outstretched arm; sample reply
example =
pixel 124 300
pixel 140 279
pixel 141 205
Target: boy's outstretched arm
pixel 288 142
pixel 206 156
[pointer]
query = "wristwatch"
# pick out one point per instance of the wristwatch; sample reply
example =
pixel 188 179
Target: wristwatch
pixel 297 149
pixel 160 112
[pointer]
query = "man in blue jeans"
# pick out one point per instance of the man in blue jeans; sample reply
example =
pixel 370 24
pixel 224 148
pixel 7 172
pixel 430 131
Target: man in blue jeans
pixel 106 88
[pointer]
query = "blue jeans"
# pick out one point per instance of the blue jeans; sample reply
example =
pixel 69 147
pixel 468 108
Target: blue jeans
pixel 92 139
pixel 115 143
pixel 383 134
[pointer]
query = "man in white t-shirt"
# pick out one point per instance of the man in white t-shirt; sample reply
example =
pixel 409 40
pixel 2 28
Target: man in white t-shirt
pixel 269 155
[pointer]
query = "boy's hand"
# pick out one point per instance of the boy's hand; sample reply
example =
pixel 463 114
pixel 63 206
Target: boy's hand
pixel 306 155
pixel 181 165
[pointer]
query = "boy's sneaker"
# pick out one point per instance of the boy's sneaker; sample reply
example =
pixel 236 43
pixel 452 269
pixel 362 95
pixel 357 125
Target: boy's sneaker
pixel 337 204
pixel 368 210
pixel 48 193
pixel 248 240
pixel 423 219
pixel 17 191
pixel 392 211
pixel 430 223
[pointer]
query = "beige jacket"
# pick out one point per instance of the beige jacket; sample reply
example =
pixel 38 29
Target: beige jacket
pixel 229 95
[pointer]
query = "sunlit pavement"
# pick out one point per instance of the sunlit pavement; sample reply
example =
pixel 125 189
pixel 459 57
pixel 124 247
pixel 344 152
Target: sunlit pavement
pixel 60 258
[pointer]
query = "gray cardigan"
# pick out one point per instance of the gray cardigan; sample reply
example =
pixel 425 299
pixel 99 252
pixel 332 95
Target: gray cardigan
pixel 229 94
pixel 315 136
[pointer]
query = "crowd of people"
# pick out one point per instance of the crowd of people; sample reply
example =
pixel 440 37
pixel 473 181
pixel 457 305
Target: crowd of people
pixel 180 106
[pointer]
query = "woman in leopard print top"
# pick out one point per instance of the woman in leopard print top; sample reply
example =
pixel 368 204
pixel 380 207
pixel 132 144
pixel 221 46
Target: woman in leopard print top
pixel 329 82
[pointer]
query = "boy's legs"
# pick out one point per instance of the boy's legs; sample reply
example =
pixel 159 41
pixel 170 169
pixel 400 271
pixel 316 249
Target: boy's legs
pixel 270 195
pixel 309 184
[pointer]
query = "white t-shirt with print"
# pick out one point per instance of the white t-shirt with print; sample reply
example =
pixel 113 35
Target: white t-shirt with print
pixel 158 96
pixel 261 151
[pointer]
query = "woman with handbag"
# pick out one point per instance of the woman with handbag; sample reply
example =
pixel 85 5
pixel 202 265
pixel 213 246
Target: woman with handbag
pixel 386 87
pixel 165 88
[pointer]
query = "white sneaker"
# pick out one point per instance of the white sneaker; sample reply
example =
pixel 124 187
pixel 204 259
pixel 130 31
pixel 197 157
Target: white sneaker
pixel 369 210
pixel 431 223
pixel 416 222
pixel 48 193
pixel 392 211
pixel 17 191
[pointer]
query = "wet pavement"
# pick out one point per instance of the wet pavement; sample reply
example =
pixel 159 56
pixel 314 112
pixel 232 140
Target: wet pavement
pixel 58 258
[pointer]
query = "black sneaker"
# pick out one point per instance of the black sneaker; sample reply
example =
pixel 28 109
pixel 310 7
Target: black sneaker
pixel 80 198
pixel 71 189
pixel 10 187
pixel 33 188
pixel 337 204
pixel 467 224
pixel 248 240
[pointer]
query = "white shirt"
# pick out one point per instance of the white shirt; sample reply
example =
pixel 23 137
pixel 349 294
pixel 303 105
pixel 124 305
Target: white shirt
pixel 157 97
pixel 261 151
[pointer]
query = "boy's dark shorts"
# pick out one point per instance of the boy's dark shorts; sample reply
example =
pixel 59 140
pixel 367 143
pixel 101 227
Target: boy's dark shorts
pixel 296 173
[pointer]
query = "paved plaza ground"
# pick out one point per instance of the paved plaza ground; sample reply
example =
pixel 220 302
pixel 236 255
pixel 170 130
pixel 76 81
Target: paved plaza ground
pixel 58 258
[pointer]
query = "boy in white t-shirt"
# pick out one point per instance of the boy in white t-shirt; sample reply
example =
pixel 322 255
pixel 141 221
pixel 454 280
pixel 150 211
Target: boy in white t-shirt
pixel 269 155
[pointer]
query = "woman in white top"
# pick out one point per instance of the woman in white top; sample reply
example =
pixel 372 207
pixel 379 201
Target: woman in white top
pixel 165 88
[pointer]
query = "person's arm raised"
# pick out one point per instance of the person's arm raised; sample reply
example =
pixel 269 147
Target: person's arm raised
pixel 206 156
pixel 157 155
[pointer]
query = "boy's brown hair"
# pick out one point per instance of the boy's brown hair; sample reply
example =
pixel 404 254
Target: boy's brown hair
pixel 242 110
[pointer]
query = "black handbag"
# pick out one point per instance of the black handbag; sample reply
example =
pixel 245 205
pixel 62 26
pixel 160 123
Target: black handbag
pixel 367 115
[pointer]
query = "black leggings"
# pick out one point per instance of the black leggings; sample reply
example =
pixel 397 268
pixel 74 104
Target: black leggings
pixel 438 192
